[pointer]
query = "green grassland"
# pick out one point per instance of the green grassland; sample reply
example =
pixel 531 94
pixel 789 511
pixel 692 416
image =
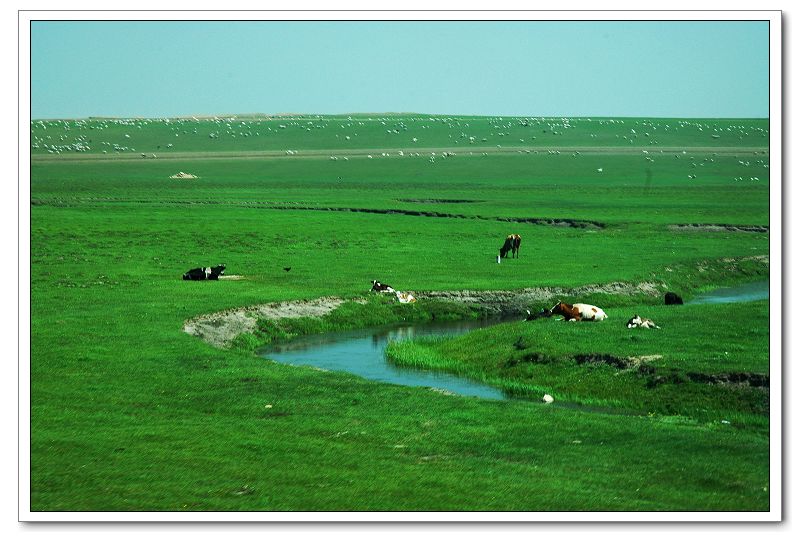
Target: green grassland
pixel 597 364
pixel 130 413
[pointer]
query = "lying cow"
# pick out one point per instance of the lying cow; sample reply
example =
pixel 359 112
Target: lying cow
pixel 380 287
pixel 578 312
pixel 204 273
pixel 544 313
pixel 638 321
pixel 405 297
pixel 671 298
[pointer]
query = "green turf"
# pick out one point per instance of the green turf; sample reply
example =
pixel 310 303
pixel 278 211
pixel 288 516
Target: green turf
pixel 590 363
pixel 130 413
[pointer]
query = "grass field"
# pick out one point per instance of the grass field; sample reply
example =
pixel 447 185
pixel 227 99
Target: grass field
pixel 130 413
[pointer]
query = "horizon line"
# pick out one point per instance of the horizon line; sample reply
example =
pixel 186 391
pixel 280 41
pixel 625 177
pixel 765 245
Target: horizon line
pixel 207 116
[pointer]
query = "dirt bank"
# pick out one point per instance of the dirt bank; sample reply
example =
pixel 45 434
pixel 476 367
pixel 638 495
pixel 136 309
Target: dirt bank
pixel 219 329
pixel 718 228
pixel 517 301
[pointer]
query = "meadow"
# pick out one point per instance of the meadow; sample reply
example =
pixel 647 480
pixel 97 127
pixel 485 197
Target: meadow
pixel 129 413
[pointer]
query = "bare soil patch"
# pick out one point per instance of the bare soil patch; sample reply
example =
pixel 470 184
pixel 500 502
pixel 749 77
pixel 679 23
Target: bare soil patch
pixel 183 175
pixel 517 301
pixel 220 328
pixel 718 228
pixel 754 380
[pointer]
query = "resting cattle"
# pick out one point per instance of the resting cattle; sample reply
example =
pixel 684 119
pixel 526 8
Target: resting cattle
pixel 511 245
pixel 405 297
pixel 578 312
pixel 204 273
pixel 544 313
pixel 638 321
pixel 380 287
pixel 671 298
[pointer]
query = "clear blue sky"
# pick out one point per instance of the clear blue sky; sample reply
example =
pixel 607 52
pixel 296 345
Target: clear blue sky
pixel 659 69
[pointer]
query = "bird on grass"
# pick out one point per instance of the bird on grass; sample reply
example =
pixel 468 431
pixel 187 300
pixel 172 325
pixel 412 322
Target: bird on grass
pixel 287 269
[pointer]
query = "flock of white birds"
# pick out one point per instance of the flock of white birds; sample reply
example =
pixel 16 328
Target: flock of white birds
pixel 81 136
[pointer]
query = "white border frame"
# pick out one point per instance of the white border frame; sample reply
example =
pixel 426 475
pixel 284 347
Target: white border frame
pixel 776 263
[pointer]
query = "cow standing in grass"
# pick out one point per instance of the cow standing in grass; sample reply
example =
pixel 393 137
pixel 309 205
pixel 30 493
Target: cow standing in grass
pixel 511 245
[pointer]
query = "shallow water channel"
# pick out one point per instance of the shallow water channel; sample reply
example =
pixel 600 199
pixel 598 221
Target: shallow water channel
pixel 752 291
pixel 362 351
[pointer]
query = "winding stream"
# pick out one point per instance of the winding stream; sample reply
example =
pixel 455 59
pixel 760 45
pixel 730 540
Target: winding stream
pixel 362 351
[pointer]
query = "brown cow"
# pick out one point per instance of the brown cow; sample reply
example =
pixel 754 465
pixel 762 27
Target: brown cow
pixel 578 312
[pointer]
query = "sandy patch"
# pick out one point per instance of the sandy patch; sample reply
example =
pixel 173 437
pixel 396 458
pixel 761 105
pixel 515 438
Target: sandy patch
pixel 219 329
pixel 183 175
pixel 763 258
pixel 718 228
pixel 516 301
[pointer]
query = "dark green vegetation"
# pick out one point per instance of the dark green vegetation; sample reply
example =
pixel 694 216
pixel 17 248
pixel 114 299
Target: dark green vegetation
pixel 130 413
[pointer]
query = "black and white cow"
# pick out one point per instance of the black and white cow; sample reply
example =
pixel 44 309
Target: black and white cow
pixel 204 273
pixel 544 313
pixel 638 321
pixel 380 287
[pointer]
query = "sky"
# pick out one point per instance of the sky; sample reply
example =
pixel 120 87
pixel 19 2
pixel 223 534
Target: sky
pixel 530 68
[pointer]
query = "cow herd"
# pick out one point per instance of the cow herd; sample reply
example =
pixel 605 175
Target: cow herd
pixel 575 312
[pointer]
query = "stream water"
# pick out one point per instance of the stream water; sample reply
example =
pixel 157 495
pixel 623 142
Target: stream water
pixel 362 351
pixel 751 291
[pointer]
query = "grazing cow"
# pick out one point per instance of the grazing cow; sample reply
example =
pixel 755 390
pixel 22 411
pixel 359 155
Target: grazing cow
pixel 511 245
pixel 204 273
pixel 578 312
pixel 380 287
pixel 638 321
pixel 671 298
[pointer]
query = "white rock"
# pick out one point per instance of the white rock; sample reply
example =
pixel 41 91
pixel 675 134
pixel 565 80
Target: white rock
pixel 547 398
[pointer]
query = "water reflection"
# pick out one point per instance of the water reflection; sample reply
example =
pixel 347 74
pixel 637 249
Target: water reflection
pixel 362 352
pixel 752 291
